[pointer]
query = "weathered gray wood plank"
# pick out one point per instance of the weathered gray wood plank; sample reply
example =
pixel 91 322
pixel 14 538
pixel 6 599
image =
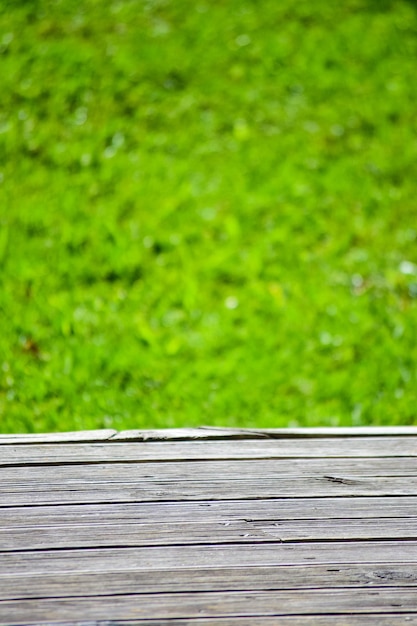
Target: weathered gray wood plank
pixel 189 434
pixel 131 535
pixel 363 447
pixel 157 490
pixel 340 529
pixel 207 470
pixel 206 432
pixel 67 584
pixel 203 556
pixel 211 432
pixel 215 604
pixel 88 535
pixel 335 431
pixel 82 436
pixel 227 510
pixel 305 620
pixel 163 434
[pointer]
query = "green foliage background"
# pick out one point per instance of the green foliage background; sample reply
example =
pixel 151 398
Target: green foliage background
pixel 207 213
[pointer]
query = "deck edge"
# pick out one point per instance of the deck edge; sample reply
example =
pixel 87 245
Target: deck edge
pixel 205 433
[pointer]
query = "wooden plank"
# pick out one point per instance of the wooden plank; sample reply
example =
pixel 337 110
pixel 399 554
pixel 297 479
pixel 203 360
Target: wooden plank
pixel 157 491
pixel 338 431
pixel 213 432
pixel 340 529
pixel 170 512
pixel 207 470
pixel 82 436
pixel 102 534
pixel 162 434
pixel 134 534
pixel 305 620
pixel 66 584
pixel 349 447
pixel 206 432
pixel 203 556
pixel 215 604
pixel 315 431
pixel 189 434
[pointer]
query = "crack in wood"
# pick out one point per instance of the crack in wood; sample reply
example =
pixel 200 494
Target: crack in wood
pixel 342 481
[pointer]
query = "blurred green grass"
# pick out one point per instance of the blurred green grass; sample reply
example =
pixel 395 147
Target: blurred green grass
pixel 207 213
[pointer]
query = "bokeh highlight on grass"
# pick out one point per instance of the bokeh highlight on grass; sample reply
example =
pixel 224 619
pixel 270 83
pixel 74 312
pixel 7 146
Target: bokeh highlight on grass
pixel 207 213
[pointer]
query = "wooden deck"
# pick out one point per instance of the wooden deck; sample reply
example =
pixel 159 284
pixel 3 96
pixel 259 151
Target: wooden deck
pixel 209 526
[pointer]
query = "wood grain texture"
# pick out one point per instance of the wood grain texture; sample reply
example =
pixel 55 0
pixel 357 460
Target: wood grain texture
pixel 217 555
pixel 211 469
pixel 87 535
pixel 391 619
pixel 209 526
pixel 157 490
pixel 305 620
pixel 206 432
pixel 70 437
pixel 163 451
pixel 85 584
pixel 204 511
pixel 214 604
